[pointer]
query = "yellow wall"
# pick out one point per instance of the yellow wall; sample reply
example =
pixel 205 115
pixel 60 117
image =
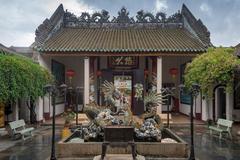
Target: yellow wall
pixel 1 115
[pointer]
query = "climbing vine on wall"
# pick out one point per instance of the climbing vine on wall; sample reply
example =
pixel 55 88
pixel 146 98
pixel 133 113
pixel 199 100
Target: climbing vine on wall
pixel 212 68
pixel 21 78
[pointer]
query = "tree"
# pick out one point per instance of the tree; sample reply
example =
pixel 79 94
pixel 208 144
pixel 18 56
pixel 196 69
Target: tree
pixel 211 68
pixel 21 78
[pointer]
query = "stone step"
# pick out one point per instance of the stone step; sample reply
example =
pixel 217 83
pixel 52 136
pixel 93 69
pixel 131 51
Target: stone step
pixel 122 157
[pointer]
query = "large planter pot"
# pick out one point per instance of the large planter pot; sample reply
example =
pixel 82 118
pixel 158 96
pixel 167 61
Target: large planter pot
pixel 66 132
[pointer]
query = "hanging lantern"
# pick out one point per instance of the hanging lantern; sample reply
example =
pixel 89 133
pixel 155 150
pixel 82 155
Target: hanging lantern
pixel 99 73
pixel 173 72
pixel 70 73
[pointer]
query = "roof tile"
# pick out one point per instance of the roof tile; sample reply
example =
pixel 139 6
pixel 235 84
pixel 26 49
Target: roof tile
pixel 123 40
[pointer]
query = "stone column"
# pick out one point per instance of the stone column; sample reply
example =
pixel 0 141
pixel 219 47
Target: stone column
pixel 205 113
pixel 39 109
pixel 159 80
pixel 86 80
pixel 229 106
pixel 15 112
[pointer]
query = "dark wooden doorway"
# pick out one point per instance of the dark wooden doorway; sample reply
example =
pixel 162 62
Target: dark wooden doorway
pixel 221 101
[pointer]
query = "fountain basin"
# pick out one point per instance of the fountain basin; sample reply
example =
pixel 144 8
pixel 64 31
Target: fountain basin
pixel 67 149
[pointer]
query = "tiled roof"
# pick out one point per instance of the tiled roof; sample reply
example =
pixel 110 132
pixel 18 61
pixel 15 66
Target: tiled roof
pixel 25 51
pixel 5 49
pixel 11 50
pixel 237 50
pixel 122 40
pixel 197 26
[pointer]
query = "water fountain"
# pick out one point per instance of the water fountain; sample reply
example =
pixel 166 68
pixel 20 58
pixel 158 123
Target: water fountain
pixel 151 138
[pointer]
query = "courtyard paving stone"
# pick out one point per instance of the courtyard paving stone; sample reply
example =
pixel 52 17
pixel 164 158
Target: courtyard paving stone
pixel 37 147
pixel 209 147
pixel 206 147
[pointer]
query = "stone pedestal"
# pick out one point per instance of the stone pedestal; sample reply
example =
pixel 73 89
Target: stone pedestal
pixel 118 157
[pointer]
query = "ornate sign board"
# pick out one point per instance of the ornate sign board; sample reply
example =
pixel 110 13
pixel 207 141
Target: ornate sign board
pixel 123 62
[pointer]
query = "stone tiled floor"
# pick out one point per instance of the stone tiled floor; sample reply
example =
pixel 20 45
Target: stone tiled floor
pixel 36 148
pixel 209 147
pixel 206 147
pixel 179 119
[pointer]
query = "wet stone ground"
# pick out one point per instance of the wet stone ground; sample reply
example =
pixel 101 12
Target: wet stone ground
pixel 206 147
pixel 36 148
pixel 209 147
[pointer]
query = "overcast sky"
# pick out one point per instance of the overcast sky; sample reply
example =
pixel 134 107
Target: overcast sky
pixel 20 18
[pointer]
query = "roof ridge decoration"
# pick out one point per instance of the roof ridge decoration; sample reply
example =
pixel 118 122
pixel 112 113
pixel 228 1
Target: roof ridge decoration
pixel 196 24
pixel 123 17
pixel 97 17
pixel 123 20
pixel 237 50
pixel 49 26
pixel 146 20
pixel 145 17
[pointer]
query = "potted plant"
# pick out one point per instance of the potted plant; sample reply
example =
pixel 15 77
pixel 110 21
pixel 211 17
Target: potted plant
pixel 69 116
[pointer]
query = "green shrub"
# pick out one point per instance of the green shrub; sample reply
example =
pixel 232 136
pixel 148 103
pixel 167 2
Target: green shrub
pixel 211 68
pixel 21 78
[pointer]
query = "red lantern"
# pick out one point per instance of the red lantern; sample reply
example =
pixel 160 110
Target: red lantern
pixel 99 73
pixel 173 72
pixel 70 73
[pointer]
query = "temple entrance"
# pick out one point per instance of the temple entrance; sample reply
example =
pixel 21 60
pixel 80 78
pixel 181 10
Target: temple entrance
pixel 124 81
pixel 124 84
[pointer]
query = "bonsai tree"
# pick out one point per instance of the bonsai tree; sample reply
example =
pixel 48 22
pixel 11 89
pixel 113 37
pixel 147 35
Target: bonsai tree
pixel 212 68
pixel 21 78
pixel 69 116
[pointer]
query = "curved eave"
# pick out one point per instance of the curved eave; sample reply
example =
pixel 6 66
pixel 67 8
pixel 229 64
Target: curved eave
pixel 121 53
pixel 121 50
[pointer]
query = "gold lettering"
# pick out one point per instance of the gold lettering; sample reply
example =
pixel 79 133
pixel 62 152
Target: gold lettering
pixel 118 60
pixel 128 61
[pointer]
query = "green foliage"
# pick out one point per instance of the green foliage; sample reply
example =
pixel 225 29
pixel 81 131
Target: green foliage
pixel 21 78
pixel 211 68
pixel 153 98
pixel 69 116
pixel 138 91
